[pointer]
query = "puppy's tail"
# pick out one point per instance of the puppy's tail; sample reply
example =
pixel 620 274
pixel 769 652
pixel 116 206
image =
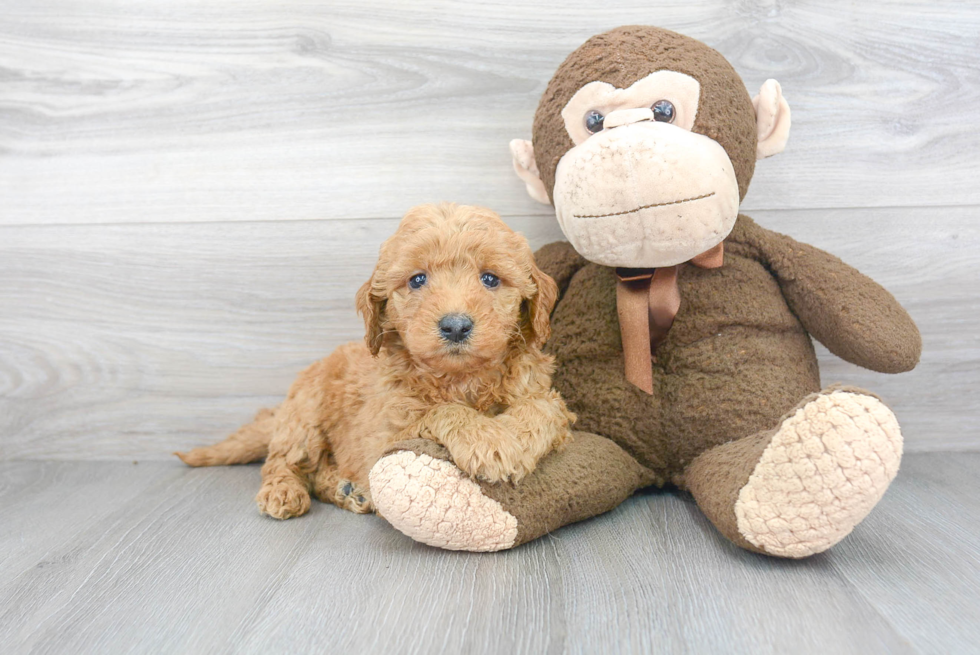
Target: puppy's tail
pixel 249 444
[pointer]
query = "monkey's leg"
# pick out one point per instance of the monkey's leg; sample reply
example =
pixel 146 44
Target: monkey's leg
pixel 800 488
pixel 420 492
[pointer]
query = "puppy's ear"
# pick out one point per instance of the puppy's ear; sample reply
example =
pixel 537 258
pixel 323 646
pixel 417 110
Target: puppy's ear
pixel 370 301
pixel 539 305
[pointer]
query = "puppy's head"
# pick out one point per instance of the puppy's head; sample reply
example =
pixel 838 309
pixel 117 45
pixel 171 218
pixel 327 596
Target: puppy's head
pixel 456 288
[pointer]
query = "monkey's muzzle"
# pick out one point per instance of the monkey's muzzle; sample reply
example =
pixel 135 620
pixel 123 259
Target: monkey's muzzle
pixel 645 195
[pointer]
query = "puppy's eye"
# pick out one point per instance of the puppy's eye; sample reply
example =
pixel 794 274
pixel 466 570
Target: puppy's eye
pixel 593 121
pixel 663 111
pixel 417 281
pixel 490 280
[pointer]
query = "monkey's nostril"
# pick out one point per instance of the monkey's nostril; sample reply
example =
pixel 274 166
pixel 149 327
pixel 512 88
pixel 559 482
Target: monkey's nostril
pixel 455 327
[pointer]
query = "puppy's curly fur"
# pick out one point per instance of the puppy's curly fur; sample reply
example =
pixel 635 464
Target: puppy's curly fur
pixel 487 398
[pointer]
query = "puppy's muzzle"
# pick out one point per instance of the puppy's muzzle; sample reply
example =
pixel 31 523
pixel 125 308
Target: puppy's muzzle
pixel 455 328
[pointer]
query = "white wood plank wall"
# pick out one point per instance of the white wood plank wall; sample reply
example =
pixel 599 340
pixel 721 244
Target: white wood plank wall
pixel 190 193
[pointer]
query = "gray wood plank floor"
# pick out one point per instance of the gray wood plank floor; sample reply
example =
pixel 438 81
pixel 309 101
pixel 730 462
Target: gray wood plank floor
pixel 102 557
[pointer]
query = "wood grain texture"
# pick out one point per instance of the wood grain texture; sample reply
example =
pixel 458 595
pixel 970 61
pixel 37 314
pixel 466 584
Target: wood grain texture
pixel 917 562
pixel 188 565
pixel 120 112
pixel 122 342
pixel 63 501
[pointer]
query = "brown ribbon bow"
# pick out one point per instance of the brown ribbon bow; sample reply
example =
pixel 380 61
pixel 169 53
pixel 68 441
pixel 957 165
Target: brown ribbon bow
pixel 647 300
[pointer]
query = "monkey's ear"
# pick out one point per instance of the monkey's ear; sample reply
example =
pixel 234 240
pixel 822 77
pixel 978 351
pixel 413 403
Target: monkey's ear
pixel 771 119
pixel 527 169
pixel 370 304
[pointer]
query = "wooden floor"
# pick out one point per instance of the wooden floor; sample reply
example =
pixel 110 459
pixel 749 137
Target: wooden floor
pixel 109 557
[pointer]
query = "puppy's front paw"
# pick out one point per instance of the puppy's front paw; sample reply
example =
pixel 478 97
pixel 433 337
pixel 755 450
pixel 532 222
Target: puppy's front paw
pixel 492 456
pixel 283 499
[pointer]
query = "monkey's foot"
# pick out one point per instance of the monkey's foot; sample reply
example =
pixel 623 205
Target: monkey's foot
pixel 432 501
pixel 827 465
pixel 423 494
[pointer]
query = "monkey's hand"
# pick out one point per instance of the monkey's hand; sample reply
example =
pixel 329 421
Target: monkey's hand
pixel 851 314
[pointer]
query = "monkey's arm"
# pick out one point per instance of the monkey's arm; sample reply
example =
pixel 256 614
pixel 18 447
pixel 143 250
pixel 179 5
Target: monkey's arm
pixel 560 261
pixel 851 314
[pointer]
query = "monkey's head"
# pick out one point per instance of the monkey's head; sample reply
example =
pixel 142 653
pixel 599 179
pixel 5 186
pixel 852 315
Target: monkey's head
pixel 645 142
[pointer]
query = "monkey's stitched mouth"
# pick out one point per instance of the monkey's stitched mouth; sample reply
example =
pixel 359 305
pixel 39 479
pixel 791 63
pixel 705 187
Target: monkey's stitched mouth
pixel 658 204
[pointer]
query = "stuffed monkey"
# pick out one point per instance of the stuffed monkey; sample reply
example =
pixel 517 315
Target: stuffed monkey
pixel 682 336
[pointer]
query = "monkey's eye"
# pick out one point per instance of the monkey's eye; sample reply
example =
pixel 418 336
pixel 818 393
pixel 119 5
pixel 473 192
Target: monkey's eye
pixel 417 281
pixel 663 111
pixel 593 121
pixel 490 280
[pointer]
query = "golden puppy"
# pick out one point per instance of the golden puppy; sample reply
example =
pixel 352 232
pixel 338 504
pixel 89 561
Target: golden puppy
pixel 456 312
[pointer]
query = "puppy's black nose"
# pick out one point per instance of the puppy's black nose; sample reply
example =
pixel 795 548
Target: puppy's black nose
pixel 456 327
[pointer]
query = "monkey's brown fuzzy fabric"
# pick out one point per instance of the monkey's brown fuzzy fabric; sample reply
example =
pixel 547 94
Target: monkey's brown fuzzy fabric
pixel 759 307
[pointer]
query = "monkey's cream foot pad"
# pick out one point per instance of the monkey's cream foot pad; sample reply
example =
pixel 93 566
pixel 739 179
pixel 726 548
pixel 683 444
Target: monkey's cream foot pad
pixel 432 501
pixel 826 467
